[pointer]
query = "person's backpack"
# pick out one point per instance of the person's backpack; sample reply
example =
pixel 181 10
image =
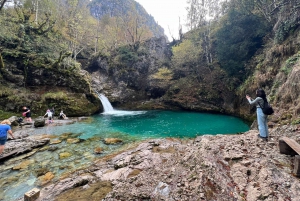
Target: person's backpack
pixel 267 108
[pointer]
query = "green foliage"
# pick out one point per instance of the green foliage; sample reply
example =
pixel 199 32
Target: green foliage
pixel 282 32
pixel 163 74
pixel 187 56
pixel 290 62
pixel 55 96
pixel 4 92
pixel 286 27
pixel 238 38
pixel 126 56
pixel 6 115
pixel 185 53
pixel 296 121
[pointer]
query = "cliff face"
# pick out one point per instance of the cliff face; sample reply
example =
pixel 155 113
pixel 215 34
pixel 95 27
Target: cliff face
pixel 277 71
pixel 127 75
pixel 113 8
pixel 42 87
pixel 144 79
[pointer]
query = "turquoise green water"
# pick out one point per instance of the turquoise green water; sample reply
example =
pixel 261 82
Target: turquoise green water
pixel 154 124
pixel 129 126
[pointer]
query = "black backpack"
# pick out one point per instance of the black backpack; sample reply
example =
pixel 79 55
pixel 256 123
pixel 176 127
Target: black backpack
pixel 267 109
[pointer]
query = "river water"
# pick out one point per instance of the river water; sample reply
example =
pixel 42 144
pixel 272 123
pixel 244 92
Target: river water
pixel 50 163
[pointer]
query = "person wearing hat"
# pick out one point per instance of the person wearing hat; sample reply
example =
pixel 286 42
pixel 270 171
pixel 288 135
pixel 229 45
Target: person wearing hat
pixel 4 129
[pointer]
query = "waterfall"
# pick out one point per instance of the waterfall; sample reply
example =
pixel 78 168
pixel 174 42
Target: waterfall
pixel 107 107
pixel 109 110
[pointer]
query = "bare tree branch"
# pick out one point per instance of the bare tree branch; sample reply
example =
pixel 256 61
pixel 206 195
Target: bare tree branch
pixel 2 4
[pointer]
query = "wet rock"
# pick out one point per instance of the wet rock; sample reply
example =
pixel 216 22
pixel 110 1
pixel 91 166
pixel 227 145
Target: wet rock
pixel 112 141
pixel 41 171
pixel 52 148
pixel 64 155
pixel 22 133
pixel 98 150
pixel 21 146
pixel 83 118
pixel 46 178
pixel 55 141
pixel 53 190
pixel 65 136
pixel 39 122
pixel 95 191
pixel 23 165
pixel 14 121
pixel 73 140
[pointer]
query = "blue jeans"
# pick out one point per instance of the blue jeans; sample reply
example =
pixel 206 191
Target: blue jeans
pixel 262 123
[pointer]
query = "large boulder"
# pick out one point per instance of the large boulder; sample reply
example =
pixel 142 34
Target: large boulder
pixel 14 121
pixel 39 122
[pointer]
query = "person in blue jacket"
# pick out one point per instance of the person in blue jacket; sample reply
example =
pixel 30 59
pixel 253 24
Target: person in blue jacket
pixel 261 117
pixel 4 129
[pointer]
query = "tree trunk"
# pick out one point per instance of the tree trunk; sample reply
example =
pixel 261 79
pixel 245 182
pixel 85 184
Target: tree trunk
pixel 2 4
pixel 36 11
pixel 1 62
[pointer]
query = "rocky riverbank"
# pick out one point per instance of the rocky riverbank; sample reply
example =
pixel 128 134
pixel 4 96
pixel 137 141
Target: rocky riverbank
pixel 222 167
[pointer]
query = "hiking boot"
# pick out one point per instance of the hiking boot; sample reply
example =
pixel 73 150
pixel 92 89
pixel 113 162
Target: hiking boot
pixel 263 138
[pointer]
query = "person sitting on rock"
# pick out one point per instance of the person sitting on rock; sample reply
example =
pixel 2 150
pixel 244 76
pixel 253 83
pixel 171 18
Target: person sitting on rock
pixel 4 129
pixel 62 115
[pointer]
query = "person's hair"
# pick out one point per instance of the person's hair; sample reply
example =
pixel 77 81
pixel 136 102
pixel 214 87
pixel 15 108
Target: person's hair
pixel 261 93
pixel 6 121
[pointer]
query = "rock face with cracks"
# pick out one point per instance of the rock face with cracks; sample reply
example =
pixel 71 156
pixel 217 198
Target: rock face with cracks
pixel 222 167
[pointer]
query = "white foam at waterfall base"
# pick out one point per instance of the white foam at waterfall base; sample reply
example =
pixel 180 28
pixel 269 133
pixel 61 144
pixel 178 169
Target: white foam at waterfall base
pixel 109 110
pixel 123 113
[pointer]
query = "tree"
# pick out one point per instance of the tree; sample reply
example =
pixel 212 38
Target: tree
pixel 186 57
pixel 238 38
pixel 202 11
pixel 2 2
pixel 134 29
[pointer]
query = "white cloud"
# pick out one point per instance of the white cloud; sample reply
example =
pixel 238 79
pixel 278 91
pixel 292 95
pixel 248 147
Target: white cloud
pixel 167 14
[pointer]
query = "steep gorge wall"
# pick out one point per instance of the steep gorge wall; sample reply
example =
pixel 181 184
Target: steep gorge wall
pixel 277 71
pixel 40 87
pixel 126 77
pixel 144 79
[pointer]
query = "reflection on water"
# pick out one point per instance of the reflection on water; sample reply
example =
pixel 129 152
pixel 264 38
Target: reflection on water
pixel 76 143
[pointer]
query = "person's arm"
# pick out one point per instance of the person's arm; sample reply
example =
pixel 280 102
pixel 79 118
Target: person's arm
pixel 255 101
pixel 11 133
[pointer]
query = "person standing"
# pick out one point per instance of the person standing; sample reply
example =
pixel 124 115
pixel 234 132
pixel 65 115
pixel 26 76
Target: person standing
pixel 4 129
pixel 53 112
pixel 261 117
pixel 27 114
pixel 49 114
